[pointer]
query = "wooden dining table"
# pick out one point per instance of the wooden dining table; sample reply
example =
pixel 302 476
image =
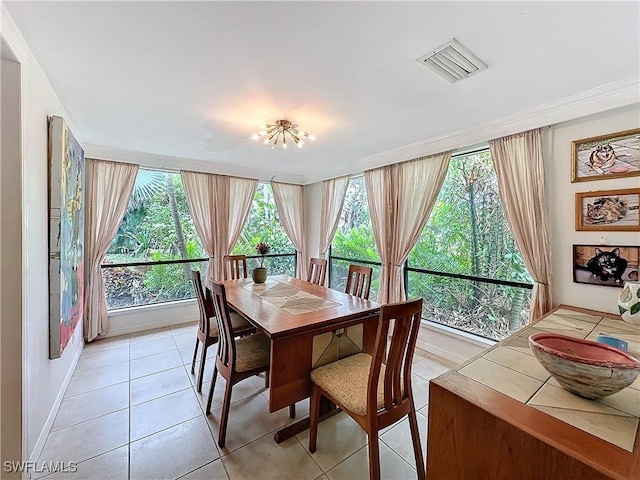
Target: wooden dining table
pixel 292 313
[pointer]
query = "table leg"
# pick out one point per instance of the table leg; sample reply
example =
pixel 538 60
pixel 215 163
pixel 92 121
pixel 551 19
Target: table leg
pixel 327 410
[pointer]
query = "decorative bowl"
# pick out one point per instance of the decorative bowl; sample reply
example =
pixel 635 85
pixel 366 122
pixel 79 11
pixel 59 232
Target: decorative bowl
pixel 588 369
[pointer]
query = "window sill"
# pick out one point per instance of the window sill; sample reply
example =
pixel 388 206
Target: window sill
pixel 454 345
pixel 149 308
pixel 148 317
pixel 461 334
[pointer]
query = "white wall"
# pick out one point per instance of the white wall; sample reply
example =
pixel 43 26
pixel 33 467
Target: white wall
pixel 45 379
pixel 10 261
pixel 561 201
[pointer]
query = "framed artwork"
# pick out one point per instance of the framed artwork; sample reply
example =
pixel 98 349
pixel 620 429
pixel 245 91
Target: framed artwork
pixel 613 155
pixel 612 210
pixel 609 265
pixel 66 235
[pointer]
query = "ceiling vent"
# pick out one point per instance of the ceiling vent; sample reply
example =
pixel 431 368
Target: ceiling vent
pixel 452 61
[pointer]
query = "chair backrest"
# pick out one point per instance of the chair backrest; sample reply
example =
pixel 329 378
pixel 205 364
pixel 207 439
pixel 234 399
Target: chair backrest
pixel 399 356
pixel 204 303
pixel 234 267
pixel 317 271
pixel 226 340
pixel 359 281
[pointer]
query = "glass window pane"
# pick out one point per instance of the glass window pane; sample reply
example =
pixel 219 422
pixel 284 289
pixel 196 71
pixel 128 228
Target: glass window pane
pixel 485 309
pixel 263 225
pixel 156 227
pixel 131 286
pixel 354 237
pixel 340 269
pixel 467 232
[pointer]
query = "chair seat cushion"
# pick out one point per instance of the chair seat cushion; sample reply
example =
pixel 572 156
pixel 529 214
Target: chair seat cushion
pixel 346 381
pixel 252 352
pixel 238 323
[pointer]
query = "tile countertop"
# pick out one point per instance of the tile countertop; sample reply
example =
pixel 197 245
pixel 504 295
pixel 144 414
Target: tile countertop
pixel 512 370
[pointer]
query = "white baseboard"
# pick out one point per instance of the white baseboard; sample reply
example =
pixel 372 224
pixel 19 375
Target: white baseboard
pixel 44 434
pixel 454 345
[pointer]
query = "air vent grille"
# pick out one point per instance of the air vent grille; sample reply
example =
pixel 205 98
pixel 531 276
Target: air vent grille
pixel 452 61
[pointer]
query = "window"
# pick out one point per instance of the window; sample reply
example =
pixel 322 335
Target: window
pixel 354 242
pixel 156 246
pixel 466 264
pixel 263 225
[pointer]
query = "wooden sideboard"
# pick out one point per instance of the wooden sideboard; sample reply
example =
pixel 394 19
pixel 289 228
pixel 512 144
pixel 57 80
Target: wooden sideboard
pixel 501 416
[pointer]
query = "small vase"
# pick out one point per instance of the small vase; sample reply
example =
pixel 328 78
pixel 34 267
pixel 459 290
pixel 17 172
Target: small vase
pixel 259 275
pixel 629 303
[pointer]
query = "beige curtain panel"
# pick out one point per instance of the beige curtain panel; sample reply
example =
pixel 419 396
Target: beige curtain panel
pixel 219 206
pixel 334 192
pixel 200 190
pixel 291 207
pixel 241 193
pixel 401 198
pixel 379 198
pixel 519 165
pixel 109 188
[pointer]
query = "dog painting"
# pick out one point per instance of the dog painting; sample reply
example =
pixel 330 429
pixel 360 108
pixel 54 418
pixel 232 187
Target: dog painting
pixel 607 156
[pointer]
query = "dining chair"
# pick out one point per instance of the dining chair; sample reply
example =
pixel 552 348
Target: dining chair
pixel 375 390
pixel 234 267
pixel 317 271
pixel 237 359
pixel 359 281
pixel 208 331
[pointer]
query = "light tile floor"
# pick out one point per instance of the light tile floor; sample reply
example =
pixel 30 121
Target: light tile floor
pixel 131 411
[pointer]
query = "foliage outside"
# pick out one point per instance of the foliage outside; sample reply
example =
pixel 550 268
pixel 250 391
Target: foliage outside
pixel 466 234
pixel 263 226
pixel 158 226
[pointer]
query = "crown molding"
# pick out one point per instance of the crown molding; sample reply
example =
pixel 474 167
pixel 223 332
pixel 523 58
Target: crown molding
pixel 167 162
pixel 605 97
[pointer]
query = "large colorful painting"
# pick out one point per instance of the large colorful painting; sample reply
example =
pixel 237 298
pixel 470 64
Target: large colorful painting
pixel 66 235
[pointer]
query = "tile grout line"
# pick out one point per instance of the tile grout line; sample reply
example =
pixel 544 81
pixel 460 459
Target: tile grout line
pixel 88 419
pixel 129 432
pixel 201 409
pixel 310 455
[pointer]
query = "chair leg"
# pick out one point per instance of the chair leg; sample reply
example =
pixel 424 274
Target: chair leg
pixel 266 379
pixel 222 434
pixel 212 387
pixel 314 413
pixel 292 410
pixel 374 457
pixel 203 358
pixel 195 355
pixel 417 448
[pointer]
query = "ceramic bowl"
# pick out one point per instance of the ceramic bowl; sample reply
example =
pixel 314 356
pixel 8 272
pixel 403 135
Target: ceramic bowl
pixel 586 368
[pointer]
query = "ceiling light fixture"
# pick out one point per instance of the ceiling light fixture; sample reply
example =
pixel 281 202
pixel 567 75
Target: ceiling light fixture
pixel 274 133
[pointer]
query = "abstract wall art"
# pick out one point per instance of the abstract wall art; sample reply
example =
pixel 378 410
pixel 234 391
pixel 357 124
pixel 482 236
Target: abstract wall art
pixel 66 235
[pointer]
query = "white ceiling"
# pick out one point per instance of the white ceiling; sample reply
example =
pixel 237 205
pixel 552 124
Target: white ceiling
pixel 195 79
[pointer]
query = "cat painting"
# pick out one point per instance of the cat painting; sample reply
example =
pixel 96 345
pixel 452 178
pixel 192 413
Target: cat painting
pixel 603 156
pixel 607 210
pixel 607 265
